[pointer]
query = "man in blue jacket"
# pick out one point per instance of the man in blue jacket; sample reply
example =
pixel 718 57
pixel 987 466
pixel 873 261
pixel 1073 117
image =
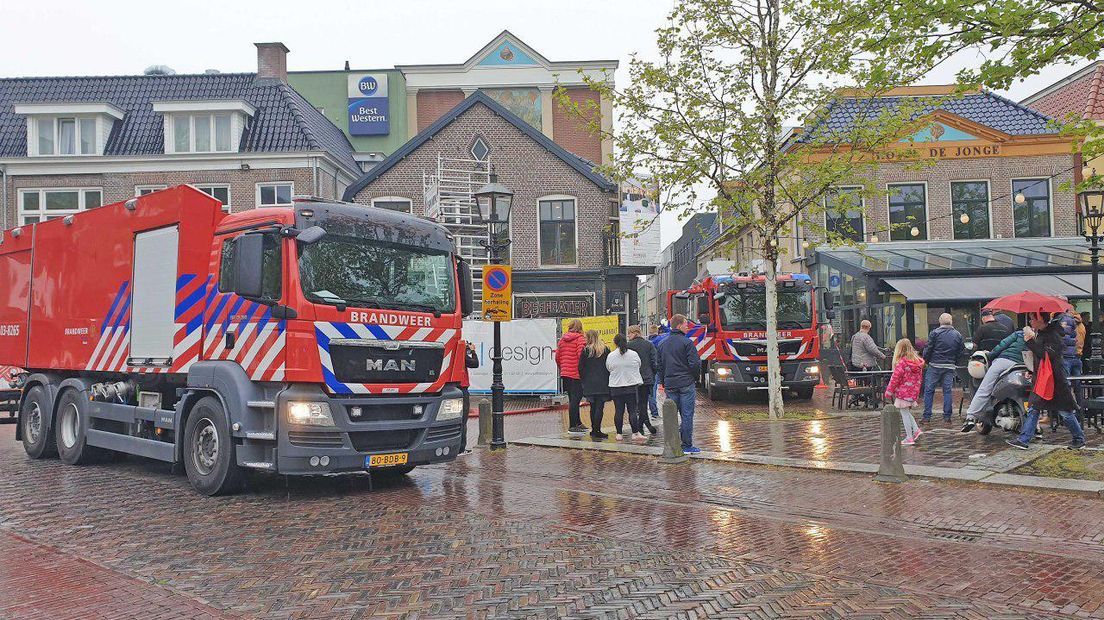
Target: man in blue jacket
pixel 945 347
pixel 678 367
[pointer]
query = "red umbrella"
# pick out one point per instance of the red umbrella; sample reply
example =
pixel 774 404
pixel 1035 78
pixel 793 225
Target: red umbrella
pixel 1027 301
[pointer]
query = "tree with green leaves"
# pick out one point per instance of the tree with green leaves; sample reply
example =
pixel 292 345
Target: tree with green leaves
pixel 710 121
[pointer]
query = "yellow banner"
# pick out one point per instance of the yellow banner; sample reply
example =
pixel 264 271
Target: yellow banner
pixel 607 327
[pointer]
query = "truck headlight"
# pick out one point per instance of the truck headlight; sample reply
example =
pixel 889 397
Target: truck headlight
pixel 723 372
pixel 311 414
pixel 451 409
pixel 812 370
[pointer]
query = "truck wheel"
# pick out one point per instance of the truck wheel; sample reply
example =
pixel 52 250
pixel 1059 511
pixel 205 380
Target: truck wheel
pixel 70 428
pixel 210 457
pixel 37 429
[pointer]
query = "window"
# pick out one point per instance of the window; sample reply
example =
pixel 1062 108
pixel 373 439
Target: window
pixel 970 199
pixel 393 203
pixel 142 190
pixel 39 205
pixel 274 194
pixel 218 192
pixel 271 267
pixel 1032 218
pixel 557 231
pixel 201 133
pixel 908 210
pixel 66 136
pixel 843 214
pixel 480 149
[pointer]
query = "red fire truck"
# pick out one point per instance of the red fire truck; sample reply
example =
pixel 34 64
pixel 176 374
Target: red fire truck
pixel 316 339
pixel 728 323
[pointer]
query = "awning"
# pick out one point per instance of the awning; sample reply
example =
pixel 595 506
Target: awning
pixel 985 288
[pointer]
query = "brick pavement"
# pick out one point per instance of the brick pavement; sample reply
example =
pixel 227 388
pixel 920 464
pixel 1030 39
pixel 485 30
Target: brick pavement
pixel 555 533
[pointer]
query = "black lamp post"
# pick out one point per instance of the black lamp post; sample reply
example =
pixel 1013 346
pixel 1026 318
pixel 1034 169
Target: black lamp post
pixel 494 200
pixel 1092 219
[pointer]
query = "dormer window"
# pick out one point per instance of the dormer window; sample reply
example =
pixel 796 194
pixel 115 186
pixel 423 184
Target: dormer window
pixel 65 129
pixel 203 126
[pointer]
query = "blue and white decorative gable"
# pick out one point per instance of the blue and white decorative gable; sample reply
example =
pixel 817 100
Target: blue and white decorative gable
pixel 507 53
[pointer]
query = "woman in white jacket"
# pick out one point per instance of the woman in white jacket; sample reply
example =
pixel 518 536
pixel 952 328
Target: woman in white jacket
pixel 624 367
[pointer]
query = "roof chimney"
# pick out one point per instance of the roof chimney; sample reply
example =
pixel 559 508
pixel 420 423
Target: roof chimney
pixel 272 61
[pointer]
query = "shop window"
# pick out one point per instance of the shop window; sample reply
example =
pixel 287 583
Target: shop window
pixel 39 205
pixel 1032 216
pixel 970 199
pixel 908 212
pixel 843 214
pixel 557 231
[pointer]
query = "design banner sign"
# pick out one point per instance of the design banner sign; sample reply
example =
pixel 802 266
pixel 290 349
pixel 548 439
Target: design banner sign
pixel 528 355
pixel 369 107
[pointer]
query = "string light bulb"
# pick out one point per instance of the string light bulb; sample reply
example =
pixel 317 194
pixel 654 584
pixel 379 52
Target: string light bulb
pixel 804 244
pixel 774 243
pixel 964 218
pixel 873 238
pixel 1020 199
pixel 1088 172
pixel 915 231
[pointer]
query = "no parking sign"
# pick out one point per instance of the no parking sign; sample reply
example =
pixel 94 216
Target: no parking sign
pixel 498 288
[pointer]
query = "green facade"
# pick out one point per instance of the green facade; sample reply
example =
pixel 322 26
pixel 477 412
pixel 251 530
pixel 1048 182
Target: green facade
pixel 328 90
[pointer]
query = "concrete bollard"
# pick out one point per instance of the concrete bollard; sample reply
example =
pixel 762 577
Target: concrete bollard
pixel 484 423
pixel 672 442
pixel 892 468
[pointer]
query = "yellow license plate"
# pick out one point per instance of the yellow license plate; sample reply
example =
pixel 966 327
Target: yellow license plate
pixel 387 460
pixel 762 369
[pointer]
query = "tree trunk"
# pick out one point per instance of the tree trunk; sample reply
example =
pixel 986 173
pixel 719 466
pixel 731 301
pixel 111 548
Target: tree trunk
pixel 774 364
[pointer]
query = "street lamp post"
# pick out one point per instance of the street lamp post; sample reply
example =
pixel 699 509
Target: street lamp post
pixel 494 201
pixel 1092 218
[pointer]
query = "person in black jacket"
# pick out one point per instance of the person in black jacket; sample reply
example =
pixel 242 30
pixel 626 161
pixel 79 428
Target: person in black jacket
pixel 945 347
pixel 647 352
pixel 991 331
pixel 677 370
pixel 471 360
pixel 1045 338
pixel 595 377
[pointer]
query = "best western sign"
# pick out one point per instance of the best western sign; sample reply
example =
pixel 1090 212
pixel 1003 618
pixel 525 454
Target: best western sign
pixel 369 110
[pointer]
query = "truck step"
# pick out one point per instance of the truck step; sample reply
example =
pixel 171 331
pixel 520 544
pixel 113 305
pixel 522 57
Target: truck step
pixel 148 448
pixel 261 404
pixel 264 465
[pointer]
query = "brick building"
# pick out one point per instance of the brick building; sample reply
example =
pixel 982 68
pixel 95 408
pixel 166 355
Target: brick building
pixel 506 69
pixel 74 143
pixel 561 215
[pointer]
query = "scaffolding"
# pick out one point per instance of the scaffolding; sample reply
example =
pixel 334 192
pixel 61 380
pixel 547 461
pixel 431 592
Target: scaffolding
pixel 450 200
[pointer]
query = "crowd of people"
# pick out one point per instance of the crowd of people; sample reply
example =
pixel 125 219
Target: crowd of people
pixel 1051 345
pixel 629 375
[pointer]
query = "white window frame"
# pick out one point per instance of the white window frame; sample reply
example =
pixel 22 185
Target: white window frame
pixel 33 145
pixel 988 204
pixel 927 215
pixel 42 213
pixel 1012 197
pixel 227 206
pixel 540 262
pixel 190 118
pixel 257 196
pixel 148 189
pixel 861 207
pixel 409 202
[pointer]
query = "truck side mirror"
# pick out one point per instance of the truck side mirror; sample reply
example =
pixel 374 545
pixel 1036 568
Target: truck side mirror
pixel 829 300
pixel 464 275
pixel 248 258
pixel 830 314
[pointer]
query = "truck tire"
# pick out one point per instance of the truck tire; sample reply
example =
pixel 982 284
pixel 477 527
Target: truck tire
pixel 37 427
pixel 70 427
pixel 210 458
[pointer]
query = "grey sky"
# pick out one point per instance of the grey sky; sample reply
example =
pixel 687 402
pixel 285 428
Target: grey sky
pixel 113 37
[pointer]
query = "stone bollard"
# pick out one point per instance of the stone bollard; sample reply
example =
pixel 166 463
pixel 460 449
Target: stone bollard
pixel 672 442
pixel 892 468
pixel 484 423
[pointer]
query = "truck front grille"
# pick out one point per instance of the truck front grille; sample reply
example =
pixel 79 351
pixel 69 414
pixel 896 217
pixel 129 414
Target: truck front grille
pixel 358 363
pixel 443 433
pixel 305 439
pixel 372 441
pixel 759 349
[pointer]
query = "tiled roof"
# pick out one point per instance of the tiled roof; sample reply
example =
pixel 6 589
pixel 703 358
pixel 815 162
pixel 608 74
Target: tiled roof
pixel 1080 94
pixel 984 108
pixel 584 167
pixel 283 122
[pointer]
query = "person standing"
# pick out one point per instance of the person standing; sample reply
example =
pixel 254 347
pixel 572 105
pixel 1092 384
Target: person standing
pixel 865 354
pixel 945 348
pixel 678 367
pixel 646 393
pixel 568 351
pixel 624 383
pixel 1007 353
pixel 904 387
pixel 595 380
pixel 991 331
pixel 1071 356
pixel 471 360
pixel 1045 341
pixel 655 338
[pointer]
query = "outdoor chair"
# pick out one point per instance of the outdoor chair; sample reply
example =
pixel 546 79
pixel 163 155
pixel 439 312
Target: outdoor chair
pixel 848 386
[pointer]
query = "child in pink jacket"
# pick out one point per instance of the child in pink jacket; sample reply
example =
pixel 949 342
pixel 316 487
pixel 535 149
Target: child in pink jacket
pixel 904 386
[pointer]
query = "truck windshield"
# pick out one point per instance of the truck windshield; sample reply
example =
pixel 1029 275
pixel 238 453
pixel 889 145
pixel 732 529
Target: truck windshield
pixel 348 271
pixel 747 308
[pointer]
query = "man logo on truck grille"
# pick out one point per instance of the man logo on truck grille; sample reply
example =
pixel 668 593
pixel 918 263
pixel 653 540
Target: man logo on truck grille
pixel 392 365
